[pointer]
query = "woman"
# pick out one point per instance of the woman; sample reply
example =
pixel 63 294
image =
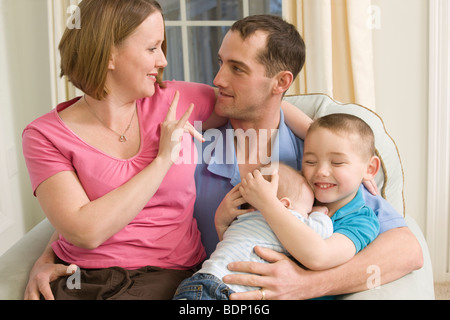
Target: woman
pixel 101 166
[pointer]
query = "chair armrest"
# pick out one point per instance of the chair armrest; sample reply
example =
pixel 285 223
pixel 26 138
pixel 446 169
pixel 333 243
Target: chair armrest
pixel 16 263
pixel 417 285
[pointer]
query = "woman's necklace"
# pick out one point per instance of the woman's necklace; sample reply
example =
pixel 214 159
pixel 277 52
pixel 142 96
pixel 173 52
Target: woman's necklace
pixel 122 137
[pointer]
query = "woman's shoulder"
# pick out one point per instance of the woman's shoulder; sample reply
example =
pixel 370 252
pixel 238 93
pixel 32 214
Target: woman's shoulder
pixel 202 95
pixel 192 89
pixel 43 122
pixel 49 122
pixel 183 84
pixel 52 115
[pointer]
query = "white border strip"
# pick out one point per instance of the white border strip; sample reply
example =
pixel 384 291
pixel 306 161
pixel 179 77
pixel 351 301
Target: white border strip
pixel 438 190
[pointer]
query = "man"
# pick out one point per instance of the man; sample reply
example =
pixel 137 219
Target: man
pixel 259 60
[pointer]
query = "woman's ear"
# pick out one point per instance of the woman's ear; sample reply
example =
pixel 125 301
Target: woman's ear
pixel 372 168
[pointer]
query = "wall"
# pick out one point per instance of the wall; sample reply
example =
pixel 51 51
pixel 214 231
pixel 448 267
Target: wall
pixel 25 71
pixel 401 85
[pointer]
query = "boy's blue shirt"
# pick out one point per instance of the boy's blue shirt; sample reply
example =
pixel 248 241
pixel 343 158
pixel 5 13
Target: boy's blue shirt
pixel 357 222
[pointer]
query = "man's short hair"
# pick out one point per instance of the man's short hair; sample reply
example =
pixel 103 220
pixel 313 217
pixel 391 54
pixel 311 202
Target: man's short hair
pixel 285 48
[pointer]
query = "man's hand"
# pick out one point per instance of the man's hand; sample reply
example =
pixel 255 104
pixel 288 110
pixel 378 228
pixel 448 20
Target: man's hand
pixel 281 278
pixel 40 277
pixel 397 252
pixel 228 210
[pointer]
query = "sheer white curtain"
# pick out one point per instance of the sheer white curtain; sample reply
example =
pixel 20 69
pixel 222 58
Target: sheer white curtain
pixel 339 55
pixel 61 14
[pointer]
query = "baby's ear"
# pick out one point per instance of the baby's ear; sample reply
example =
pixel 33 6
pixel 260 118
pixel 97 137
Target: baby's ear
pixel 286 202
pixel 372 168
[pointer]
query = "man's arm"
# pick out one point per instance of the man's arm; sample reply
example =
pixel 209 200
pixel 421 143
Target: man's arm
pixel 396 252
pixel 44 271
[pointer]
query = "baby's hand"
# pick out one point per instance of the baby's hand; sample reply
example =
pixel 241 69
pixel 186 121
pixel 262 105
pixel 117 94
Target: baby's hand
pixel 321 209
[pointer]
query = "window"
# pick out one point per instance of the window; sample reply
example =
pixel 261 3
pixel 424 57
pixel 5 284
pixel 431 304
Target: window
pixel 195 29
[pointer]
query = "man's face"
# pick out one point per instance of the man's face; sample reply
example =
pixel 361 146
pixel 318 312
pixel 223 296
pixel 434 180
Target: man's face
pixel 244 88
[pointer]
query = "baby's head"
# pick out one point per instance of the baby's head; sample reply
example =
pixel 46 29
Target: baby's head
pixel 293 189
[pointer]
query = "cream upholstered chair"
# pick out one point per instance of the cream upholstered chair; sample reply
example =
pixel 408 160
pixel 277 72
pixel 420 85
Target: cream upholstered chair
pixel 16 263
pixel 390 180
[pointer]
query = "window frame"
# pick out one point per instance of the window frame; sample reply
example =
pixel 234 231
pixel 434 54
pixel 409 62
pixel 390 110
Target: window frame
pixel 184 24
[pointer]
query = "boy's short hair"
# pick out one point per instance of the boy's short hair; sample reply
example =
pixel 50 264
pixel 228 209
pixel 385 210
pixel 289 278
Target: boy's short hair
pixel 343 123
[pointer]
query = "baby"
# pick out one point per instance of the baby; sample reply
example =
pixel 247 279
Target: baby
pixel 251 229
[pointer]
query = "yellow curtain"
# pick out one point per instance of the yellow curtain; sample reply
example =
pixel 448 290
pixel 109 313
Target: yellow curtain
pixel 339 55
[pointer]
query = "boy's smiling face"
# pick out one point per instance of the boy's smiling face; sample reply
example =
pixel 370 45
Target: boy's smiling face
pixel 334 166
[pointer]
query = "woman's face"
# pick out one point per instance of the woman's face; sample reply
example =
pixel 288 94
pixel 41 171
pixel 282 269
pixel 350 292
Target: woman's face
pixel 135 63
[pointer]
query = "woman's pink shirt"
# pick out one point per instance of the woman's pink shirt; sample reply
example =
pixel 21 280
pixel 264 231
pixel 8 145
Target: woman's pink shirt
pixel 164 234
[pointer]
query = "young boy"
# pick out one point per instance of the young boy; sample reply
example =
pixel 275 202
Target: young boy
pixel 250 229
pixel 339 154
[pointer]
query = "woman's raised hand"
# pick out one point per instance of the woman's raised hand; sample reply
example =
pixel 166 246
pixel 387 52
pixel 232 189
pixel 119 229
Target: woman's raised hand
pixel 172 130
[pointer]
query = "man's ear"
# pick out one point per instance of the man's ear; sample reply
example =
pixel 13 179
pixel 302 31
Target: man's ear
pixel 372 168
pixel 284 80
pixel 286 202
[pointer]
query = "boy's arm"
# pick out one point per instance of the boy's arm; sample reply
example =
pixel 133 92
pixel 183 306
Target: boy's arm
pixel 317 253
pixel 295 119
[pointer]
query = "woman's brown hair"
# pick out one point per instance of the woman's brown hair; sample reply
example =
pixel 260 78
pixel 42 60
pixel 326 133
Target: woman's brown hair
pixel 85 52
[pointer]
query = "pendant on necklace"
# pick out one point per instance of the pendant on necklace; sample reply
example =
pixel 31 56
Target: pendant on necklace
pixel 123 138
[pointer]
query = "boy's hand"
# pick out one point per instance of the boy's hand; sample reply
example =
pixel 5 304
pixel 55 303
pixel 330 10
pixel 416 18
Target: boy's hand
pixel 255 189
